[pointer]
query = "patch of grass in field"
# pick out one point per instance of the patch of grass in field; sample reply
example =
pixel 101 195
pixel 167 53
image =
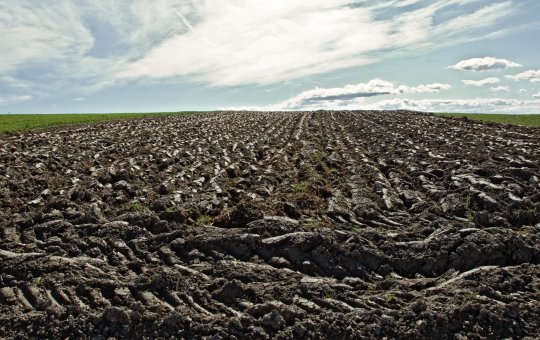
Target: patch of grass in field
pixel 302 186
pixel 526 120
pixel 204 220
pixel 135 207
pixel 25 122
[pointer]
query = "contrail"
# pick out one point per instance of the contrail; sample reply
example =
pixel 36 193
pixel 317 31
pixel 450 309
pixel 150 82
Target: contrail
pixel 184 20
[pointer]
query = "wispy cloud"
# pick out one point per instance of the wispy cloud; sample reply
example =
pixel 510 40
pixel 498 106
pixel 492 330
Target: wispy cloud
pixel 235 45
pixel 38 32
pixel 482 82
pixel 536 95
pixel 143 25
pixel 264 44
pixel 483 17
pixel 484 64
pixel 531 75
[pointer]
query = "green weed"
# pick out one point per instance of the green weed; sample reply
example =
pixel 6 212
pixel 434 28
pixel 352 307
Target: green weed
pixel 390 298
pixel 313 224
pixel 39 282
pixel 135 207
pixel 470 294
pixel 302 186
pixel 329 295
pixel 204 220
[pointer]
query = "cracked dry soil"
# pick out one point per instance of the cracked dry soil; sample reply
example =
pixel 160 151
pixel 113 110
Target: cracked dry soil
pixel 341 225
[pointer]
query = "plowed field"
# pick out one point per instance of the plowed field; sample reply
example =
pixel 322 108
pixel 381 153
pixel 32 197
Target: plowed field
pixel 272 225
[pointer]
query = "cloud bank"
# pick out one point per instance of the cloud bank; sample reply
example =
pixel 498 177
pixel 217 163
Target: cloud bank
pixel 478 105
pixel 473 105
pixel 341 95
pixel 363 97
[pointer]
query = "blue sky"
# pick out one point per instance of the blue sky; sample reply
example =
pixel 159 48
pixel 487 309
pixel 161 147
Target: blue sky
pixel 172 55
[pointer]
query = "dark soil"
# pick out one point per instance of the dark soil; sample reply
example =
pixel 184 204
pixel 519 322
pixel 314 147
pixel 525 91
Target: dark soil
pixel 339 225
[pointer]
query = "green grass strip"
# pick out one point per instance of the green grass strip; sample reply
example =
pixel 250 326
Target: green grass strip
pixel 25 122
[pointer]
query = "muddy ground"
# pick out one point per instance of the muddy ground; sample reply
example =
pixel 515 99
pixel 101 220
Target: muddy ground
pixel 304 225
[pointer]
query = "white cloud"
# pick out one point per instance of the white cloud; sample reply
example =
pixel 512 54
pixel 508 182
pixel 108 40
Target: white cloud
pixel 14 99
pixel 429 88
pixel 484 64
pixel 235 42
pixel 35 32
pixel 478 83
pixel 532 75
pixel 79 99
pixel 500 89
pixel 536 95
pixel 342 95
pixel 522 91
